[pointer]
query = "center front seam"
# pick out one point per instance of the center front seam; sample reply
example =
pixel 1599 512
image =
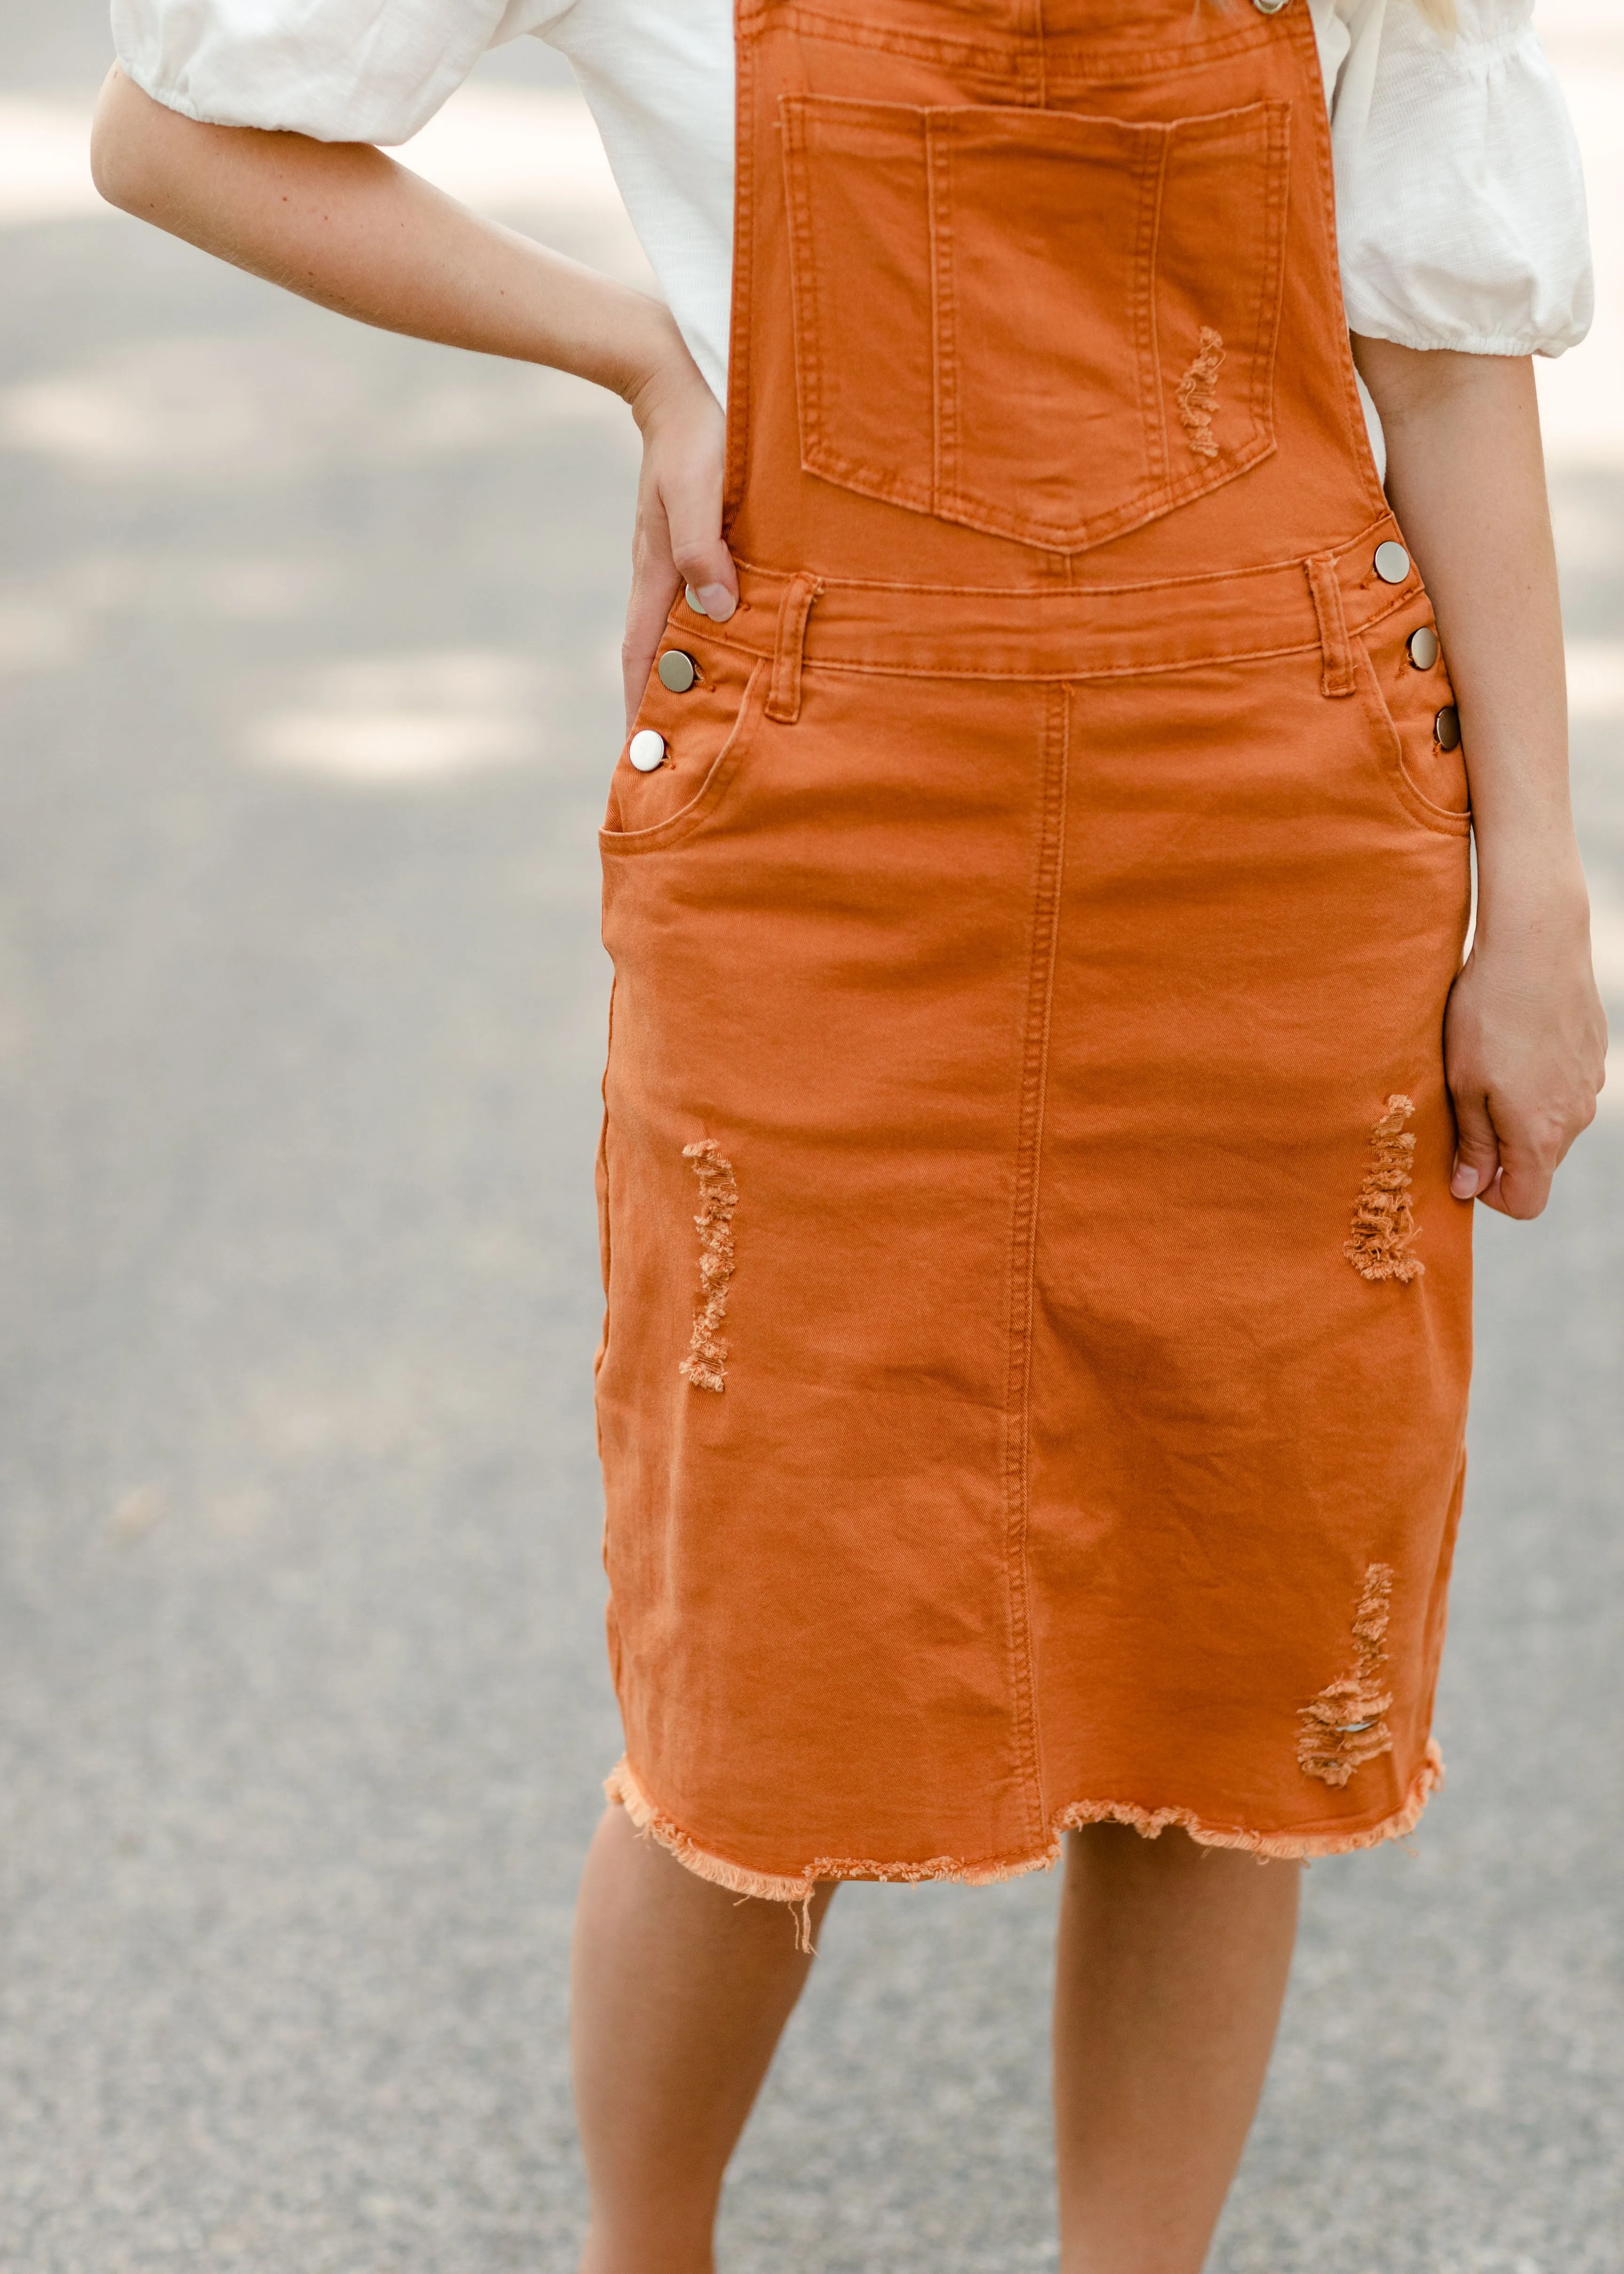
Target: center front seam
pixel 1023 1240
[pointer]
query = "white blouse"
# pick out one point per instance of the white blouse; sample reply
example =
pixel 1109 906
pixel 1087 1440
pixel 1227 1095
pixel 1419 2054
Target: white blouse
pixel 1460 200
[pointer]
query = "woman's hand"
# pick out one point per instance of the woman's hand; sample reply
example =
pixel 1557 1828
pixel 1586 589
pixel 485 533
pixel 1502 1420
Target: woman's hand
pixel 1525 1041
pixel 1524 1038
pixel 678 537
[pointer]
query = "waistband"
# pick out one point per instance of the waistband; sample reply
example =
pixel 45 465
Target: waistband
pixel 1069 632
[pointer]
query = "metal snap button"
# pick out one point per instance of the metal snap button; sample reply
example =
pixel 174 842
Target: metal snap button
pixel 693 601
pixel 1447 726
pixel 1392 563
pixel 646 749
pixel 677 671
pixel 1422 648
pixel 1268 7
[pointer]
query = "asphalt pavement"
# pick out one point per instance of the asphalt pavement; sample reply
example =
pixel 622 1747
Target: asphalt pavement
pixel 307 704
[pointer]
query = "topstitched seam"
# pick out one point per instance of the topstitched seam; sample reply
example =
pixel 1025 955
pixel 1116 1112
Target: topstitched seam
pixel 1016 65
pixel 1337 677
pixel 1061 674
pixel 1355 432
pixel 1023 1259
pixel 736 441
pixel 1381 526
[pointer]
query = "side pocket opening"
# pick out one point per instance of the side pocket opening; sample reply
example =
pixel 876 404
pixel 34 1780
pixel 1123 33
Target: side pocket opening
pixel 1404 704
pixel 707 728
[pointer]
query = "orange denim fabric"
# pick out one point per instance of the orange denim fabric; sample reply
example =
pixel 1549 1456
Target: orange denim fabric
pixel 1034 1374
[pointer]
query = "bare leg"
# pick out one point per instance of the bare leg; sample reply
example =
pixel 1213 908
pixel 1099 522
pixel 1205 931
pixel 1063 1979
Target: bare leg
pixel 679 1993
pixel 1170 1970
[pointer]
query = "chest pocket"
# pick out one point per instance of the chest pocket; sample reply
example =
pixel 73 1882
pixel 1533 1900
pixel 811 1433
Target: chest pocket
pixel 1048 327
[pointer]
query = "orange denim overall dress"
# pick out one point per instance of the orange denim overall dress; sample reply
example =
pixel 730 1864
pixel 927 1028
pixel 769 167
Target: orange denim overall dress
pixel 1034 1376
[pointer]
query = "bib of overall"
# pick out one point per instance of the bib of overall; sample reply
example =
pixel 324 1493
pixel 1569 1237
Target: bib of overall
pixel 1034 1382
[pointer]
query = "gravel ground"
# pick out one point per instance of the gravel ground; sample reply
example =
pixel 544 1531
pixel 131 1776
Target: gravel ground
pixel 307 644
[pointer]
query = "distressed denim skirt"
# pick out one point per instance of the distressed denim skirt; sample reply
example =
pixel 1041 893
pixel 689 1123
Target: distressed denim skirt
pixel 1033 1380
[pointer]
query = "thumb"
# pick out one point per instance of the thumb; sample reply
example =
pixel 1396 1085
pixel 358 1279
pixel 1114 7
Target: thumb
pixel 1476 1148
pixel 693 514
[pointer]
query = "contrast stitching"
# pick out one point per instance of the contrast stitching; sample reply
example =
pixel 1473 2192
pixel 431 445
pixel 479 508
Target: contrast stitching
pixel 1295 24
pixel 1056 674
pixel 1393 600
pixel 783 697
pixel 737 444
pixel 803 274
pixel 1023 1231
pixel 943 345
pixel 1271 305
pixel 1151 189
pixel 1015 63
pixel 1337 676
pixel 1358 548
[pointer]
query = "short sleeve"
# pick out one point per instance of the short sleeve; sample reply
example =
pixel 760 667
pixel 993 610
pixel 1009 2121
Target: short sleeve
pixel 1460 196
pixel 341 71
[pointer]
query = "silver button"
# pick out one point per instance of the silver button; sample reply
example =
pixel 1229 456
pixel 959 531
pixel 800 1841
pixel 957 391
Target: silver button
pixel 646 749
pixel 1268 7
pixel 1422 648
pixel 1392 563
pixel 693 601
pixel 1447 726
pixel 676 671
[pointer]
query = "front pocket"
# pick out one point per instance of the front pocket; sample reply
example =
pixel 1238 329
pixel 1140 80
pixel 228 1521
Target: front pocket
pixel 1403 705
pixel 707 729
pixel 1047 326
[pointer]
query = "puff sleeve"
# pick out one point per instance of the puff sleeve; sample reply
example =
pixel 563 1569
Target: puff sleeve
pixel 1460 210
pixel 340 71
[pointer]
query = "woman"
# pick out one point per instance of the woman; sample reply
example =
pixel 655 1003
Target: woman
pixel 1045 1097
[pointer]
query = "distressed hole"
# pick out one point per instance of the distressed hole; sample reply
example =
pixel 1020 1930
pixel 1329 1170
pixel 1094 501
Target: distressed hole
pixel 1383 1223
pixel 1198 395
pixel 1346 1725
pixel 706 1363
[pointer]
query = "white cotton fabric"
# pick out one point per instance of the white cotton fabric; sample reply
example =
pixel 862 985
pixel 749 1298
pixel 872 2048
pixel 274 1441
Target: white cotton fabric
pixel 1460 198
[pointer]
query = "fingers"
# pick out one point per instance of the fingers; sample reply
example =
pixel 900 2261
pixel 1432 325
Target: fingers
pixel 1523 1184
pixel 1525 1041
pixel 701 560
pixel 1477 1152
pixel 679 535
pixel 1509 1170
pixel 654 588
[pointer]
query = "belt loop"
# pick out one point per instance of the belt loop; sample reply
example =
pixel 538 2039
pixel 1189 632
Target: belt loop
pixel 783 697
pixel 1336 647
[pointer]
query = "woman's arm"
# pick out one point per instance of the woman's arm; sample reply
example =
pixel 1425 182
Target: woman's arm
pixel 1525 1038
pixel 345 226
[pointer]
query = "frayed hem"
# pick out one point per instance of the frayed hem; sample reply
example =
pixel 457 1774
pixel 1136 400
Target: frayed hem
pixel 1268 1847
pixel 622 1787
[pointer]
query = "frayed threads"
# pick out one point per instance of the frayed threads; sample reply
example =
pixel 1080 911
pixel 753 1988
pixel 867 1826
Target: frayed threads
pixel 1383 1223
pixel 1198 395
pixel 706 1363
pixel 621 1787
pixel 798 1890
pixel 1346 1725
